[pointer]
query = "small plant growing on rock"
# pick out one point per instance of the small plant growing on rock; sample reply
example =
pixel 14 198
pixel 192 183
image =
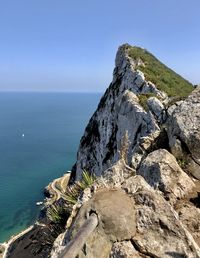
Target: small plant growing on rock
pixel 58 214
pixel 182 163
pixel 87 180
pixel 73 192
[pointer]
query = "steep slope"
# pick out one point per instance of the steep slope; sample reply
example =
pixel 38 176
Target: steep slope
pixel 134 106
pixel 163 77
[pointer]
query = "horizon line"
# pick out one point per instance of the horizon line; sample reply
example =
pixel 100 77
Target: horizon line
pixel 38 91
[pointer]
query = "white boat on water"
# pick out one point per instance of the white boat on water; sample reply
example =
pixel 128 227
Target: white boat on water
pixel 39 203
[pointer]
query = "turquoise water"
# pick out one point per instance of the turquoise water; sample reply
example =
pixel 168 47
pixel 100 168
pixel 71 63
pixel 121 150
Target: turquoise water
pixel 52 124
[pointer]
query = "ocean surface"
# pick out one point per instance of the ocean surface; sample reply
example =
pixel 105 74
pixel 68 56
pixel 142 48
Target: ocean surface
pixel 39 138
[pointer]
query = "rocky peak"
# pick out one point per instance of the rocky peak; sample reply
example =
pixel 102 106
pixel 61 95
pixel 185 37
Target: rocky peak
pixel 131 104
pixel 142 145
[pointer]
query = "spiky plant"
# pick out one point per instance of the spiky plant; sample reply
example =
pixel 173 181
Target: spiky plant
pixel 58 214
pixel 73 192
pixel 87 180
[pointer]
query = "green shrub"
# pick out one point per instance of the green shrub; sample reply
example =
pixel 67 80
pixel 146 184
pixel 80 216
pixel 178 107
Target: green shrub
pixel 182 163
pixel 143 100
pixel 163 77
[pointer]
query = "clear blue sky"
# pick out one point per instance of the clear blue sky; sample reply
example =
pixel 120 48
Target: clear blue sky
pixel 70 45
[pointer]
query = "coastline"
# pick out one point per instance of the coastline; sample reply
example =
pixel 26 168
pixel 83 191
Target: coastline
pixel 52 192
pixel 13 238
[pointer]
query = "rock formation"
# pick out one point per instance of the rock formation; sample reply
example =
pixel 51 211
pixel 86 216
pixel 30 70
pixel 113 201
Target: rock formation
pixel 143 146
pixel 119 111
pixel 184 132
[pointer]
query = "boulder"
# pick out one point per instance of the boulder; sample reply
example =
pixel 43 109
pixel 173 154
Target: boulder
pixel 189 215
pixel 161 170
pixel 116 215
pixel 157 108
pixel 159 231
pixel 124 250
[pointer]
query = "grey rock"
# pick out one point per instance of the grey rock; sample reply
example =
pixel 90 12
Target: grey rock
pixel 157 108
pixel 189 215
pixel 183 128
pixel 116 214
pixel 161 170
pixel 135 184
pixel 116 175
pixel 136 223
pixel 124 250
pixel 119 112
pixel 159 231
pixel 149 87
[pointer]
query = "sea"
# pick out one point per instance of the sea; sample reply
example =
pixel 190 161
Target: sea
pixel 39 138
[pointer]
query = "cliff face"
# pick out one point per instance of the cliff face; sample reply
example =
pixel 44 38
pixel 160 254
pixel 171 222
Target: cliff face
pixel 131 106
pixel 143 140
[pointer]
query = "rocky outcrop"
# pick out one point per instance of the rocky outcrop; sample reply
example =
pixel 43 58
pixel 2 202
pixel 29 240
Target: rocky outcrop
pixel 183 129
pixel 132 104
pixel 143 194
pixel 134 221
pixel 189 215
pixel 120 111
pixel 161 170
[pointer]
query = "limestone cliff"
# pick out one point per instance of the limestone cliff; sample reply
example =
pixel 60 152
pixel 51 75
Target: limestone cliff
pixel 131 104
pixel 130 141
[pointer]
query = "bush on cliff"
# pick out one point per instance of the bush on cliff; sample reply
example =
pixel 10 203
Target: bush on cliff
pixel 163 77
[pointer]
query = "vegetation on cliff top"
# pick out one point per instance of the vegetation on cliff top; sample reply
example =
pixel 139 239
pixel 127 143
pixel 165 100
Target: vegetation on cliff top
pixel 163 77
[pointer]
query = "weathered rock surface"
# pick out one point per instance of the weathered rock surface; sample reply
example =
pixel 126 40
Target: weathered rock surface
pixel 184 132
pixel 157 108
pixel 159 231
pixel 138 222
pixel 116 215
pixel 189 215
pixel 161 170
pixel 124 250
